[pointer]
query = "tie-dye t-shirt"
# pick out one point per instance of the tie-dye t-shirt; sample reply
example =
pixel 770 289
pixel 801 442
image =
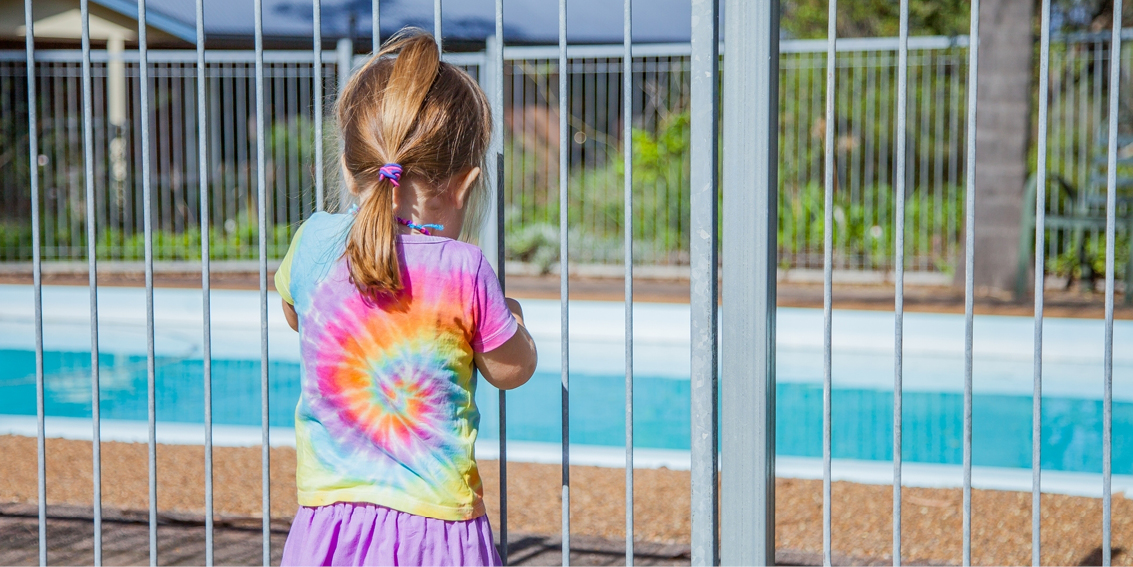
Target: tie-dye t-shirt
pixel 387 412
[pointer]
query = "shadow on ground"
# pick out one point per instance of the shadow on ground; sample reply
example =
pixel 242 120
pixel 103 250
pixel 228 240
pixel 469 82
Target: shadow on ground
pixel 239 541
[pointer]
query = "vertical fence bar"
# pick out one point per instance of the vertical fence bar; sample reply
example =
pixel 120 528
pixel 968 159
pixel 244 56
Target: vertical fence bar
pixel 375 28
pixel 147 223
pixel 828 282
pixel 437 24
pixel 1110 238
pixel 564 286
pixel 844 99
pixel 37 282
pixel 969 271
pixel 1083 115
pixel 899 267
pixel 703 278
pixel 92 273
pixel 873 64
pixel 498 135
pixel 320 166
pixel 935 243
pixel 1040 262
pixel 343 67
pixel 206 295
pixel 953 176
pixel 64 137
pixel 261 202
pixel 500 255
pixel 627 142
pixel 922 188
pixel 33 144
pixel 751 106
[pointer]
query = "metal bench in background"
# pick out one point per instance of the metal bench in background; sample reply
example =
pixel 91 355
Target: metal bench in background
pixel 1085 214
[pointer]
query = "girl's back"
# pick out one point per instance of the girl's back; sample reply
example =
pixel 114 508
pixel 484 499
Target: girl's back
pixel 387 412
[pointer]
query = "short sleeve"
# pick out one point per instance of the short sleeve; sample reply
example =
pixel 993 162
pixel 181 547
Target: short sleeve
pixel 494 321
pixel 283 274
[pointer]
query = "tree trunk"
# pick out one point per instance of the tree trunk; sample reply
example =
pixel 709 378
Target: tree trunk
pixel 1003 127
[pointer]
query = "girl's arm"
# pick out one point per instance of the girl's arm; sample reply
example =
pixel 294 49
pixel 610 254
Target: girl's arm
pixel 282 281
pixel 292 316
pixel 511 364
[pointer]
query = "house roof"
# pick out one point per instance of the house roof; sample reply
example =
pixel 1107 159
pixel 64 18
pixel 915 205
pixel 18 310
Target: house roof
pixel 525 21
pixel 159 16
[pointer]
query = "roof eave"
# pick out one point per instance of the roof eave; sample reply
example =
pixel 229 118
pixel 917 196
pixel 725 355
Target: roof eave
pixel 169 25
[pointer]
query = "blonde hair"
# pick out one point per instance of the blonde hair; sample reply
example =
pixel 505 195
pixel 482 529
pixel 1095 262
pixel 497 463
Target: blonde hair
pixel 408 107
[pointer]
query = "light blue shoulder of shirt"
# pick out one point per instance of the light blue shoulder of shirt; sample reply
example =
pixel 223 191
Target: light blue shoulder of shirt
pixel 322 245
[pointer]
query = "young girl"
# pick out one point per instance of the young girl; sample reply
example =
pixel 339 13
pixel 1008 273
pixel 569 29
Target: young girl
pixel 392 315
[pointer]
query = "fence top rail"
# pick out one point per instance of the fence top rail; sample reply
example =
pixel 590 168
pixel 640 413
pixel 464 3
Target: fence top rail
pixel 612 51
pixel 187 56
pixel 516 53
pixel 1085 37
pixel 615 51
pixel 217 56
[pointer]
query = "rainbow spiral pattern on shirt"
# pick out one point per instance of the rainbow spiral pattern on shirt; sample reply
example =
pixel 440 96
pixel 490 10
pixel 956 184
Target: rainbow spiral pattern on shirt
pixel 387 412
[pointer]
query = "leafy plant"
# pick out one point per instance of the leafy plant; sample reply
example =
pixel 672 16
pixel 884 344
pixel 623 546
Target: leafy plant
pixel 1069 264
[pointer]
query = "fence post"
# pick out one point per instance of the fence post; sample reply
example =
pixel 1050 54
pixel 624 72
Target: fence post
pixel 751 106
pixel 491 78
pixel 344 52
pixel 704 296
pixel 37 280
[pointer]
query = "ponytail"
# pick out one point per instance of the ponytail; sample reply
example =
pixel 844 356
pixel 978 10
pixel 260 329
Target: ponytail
pixel 380 116
pixel 371 247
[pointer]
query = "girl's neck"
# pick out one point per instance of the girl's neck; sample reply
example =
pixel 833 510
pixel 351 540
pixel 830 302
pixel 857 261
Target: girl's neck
pixel 421 207
pixel 436 221
pixel 426 206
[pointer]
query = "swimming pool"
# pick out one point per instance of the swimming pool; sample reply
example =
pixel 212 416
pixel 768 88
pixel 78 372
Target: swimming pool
pixel 862 399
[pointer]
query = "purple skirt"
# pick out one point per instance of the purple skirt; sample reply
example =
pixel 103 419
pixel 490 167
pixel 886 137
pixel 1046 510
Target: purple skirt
pixel 349 533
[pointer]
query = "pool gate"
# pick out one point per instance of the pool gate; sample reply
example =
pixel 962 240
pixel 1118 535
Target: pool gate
pixel 741 455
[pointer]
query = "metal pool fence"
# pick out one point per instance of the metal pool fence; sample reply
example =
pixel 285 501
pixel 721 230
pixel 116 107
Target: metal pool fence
pixel 1077 136
pixel 741 508
pixel 864 134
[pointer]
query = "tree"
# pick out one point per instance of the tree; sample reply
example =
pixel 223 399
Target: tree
pixel 1003 127
pixel 1008 33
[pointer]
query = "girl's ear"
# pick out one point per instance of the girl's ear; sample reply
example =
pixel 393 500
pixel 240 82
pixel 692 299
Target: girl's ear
pixel 347 177
pixel 463 188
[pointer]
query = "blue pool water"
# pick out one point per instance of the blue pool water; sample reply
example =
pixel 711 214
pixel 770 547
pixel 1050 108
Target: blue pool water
pixel 862 428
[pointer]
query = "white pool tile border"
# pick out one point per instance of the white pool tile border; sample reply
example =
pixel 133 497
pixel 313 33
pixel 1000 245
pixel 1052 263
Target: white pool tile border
pixel 658 323
pixel 862 340
pixel 865 472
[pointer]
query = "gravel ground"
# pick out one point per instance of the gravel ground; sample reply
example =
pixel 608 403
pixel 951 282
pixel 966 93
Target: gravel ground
pixel 862 525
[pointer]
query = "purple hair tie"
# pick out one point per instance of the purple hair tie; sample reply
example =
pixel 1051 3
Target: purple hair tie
pixel 391 171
